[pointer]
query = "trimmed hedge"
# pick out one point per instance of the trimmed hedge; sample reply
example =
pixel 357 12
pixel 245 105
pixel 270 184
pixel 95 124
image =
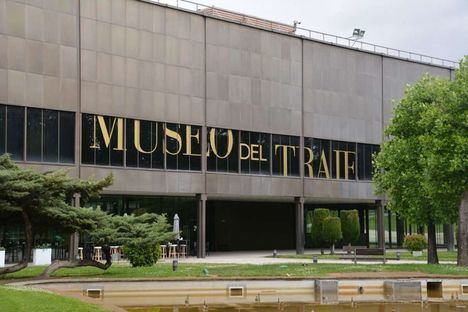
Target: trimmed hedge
pixel 350 226
pixel 331 230
pixel 320 214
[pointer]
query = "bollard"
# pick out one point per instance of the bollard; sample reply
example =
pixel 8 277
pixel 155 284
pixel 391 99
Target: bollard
pixel 275 253
pixel 175 264
pixel 315 259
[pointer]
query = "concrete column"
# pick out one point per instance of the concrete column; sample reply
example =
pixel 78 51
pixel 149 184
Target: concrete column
pixel 449 237
pixel 75 237
pixel 201 239
pixel 380 224
pixel 300 234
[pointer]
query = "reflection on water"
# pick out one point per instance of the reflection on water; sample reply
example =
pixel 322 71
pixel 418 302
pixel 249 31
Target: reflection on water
pixel 360 307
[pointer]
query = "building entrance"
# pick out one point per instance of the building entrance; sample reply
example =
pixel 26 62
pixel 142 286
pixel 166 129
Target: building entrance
pixel 235 226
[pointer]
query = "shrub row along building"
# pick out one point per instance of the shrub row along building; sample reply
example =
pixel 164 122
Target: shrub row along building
pixel 237 124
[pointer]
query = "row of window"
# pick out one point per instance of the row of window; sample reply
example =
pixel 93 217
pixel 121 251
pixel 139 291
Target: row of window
pixel 49 134
pixel 114 141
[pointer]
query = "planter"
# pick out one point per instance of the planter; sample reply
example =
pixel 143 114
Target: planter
pixel 42 256
pixel 417 253
pixel 2 258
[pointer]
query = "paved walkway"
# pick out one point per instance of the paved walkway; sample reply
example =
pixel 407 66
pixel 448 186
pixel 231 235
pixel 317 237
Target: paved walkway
pixel 265 257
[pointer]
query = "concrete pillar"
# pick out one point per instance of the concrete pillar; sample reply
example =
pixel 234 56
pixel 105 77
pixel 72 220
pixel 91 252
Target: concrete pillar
pixel 300 234
pixel 201 239
pixel 380 224
pixel 74 237
pixel 449 237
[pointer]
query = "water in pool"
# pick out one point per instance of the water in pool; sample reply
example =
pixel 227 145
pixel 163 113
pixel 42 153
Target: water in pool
pixel 359 307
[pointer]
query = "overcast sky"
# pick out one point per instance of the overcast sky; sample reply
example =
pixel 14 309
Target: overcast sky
pixel 434 27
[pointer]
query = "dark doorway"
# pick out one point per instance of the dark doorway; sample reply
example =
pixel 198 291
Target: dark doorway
pixel 235 226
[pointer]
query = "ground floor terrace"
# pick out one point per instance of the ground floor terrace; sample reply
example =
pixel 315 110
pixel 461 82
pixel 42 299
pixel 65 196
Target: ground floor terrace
pixel 213 225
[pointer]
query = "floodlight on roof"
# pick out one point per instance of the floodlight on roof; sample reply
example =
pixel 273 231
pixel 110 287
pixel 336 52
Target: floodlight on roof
pixel 358 33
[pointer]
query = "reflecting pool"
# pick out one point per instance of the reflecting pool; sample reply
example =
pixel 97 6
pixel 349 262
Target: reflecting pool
pixel 289 307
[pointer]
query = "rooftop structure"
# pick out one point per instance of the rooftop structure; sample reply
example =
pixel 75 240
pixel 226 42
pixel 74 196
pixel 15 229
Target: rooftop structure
pixel 305 32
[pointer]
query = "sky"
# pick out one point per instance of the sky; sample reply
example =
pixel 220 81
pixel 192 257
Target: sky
pixel 437 28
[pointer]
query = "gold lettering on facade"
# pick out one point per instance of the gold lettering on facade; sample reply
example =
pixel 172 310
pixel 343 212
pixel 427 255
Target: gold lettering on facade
pixel 137 137
pixel 347 166
pixel 323 162
pixel 176 136
pixel 246 146
pixel 284 149
pixel 188 140
pixel 212 146
pixel 308 161
pixel 254 152
pixel 106 135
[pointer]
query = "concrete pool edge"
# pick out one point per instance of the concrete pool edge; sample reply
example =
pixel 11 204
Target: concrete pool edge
pixel 150 292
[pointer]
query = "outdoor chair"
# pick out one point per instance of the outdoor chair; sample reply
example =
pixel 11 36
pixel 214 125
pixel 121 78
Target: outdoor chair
pixel 80 252
pixel 97 254
pixel 163 249
pixel 172 251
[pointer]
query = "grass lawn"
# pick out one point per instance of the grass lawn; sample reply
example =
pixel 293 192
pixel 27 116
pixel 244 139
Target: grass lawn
pixel 391 254
pixel 164 270
pixel 26 300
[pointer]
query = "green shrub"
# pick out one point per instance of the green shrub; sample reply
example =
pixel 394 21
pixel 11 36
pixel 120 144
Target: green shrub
pixel 320 214
pixel 142 255
pixel 350 226
pixel 415 242
pixel 331 230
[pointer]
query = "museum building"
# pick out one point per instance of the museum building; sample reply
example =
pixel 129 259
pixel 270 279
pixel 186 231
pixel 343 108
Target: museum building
pixel 239 125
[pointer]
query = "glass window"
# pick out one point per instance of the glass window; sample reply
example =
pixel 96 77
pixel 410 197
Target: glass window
pixel 183 147
pixel 255 152
pixel 15 132
pixel 2 128
pixel 87 139
pixel 285 155
pixel 317 160
pixel 365 152
pixel 34 134
pixel 67 137
pixel 223 150
pixel 145 148
pixel 343 160
pixel 50 135
pixel 108 138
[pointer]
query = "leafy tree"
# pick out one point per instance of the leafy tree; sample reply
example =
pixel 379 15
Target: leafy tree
pixel 423 166
pixel 350 225
pixel 44 199
pixel 331 231
pixel 320 214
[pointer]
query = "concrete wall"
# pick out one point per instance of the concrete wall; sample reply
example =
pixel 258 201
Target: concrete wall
pixel 147 61
pixel 254 79
pixel 141 60
pixel 397 74
pixel 39 53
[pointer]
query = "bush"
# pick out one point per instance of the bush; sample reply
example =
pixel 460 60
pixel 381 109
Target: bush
pixel 415 242
pixel 146 255
pixel 320 214
pixel 331 230
pixel 350 226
